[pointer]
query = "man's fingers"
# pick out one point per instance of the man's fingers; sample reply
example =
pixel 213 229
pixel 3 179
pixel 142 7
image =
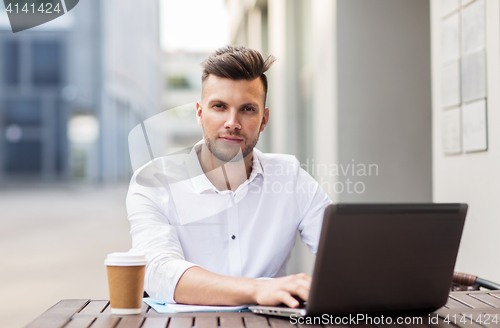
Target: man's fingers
pixel 302 293
pixel 289 300
pixel 297 283
pixel 304 276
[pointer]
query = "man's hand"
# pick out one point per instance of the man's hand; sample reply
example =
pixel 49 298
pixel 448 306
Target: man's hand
pixel 280 290
pixel 199 286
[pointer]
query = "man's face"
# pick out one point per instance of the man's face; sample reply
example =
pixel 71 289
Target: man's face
pixel 232 115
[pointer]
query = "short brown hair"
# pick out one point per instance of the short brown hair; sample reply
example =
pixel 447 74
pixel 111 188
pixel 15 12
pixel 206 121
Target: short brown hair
pixel 237 63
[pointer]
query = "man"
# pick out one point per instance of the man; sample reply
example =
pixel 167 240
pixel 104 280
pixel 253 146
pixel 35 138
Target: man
pixel 233 215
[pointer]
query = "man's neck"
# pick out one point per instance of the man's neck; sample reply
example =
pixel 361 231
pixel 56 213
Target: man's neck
pixel 224 175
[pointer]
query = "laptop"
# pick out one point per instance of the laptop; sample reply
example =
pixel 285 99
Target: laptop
pixel 382 259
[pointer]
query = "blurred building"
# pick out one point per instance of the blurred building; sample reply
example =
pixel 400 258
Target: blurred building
pixel 340 82
pixel 71 89
pixel 352 85
pixel 182 89
pixel 350 90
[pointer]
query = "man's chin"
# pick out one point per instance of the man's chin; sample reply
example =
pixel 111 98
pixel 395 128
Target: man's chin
pixel 228 156
pixel 226 152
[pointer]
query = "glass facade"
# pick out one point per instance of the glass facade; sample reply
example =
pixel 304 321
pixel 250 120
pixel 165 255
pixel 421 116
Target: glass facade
pixel 10 62
pixel 33 120
pixel 22 111
pixel 46 63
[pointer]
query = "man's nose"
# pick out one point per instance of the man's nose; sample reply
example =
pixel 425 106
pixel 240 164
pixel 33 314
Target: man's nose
pixel 232 121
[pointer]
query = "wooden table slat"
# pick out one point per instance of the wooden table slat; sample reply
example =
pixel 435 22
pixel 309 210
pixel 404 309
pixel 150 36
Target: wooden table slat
pixel 94 307
pixel 256 322
pixel 415 325
pixel 231 322
pixel 455 304
pixel 205 322
pixel 80 322
pixel 181 322
pixel 130 321
pixel 281 323
pixel 155 322
pixel 105 322
pixel 470 301
pixel 59 314
pixel 86 314
pixel 107 310
pixel 487 298
pixel 393 325
pixel 495 293
pixel 309 326
pixel 145 308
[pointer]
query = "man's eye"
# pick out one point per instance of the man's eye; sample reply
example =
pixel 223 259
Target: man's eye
pixel 219 106
pixel 249 109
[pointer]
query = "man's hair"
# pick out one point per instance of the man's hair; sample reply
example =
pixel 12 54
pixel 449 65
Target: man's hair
pixel 237 63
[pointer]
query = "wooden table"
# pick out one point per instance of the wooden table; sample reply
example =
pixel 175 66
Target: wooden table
pixel 96 314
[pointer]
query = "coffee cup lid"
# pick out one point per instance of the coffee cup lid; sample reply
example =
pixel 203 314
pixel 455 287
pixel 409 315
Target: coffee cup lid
pixel 130 258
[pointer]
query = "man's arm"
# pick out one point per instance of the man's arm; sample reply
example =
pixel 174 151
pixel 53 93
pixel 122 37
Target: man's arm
pixel 312 201
pixel 198 286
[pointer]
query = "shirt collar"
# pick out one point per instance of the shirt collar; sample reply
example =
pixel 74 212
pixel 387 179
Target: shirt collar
pixel 198 178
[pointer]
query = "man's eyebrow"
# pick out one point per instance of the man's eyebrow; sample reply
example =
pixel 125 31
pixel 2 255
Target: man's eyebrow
pixel 211 102
pixel 250 104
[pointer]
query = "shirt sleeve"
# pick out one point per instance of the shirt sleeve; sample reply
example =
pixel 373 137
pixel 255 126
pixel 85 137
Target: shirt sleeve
pixel 312 201
pixel 153 235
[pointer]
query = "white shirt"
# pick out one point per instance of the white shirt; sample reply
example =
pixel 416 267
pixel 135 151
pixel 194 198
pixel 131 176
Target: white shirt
pixel 246 233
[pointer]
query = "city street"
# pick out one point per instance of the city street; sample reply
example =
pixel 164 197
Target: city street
pixel 53 242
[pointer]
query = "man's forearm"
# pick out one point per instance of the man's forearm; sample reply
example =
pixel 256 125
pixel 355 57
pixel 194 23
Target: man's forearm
pixel 199 286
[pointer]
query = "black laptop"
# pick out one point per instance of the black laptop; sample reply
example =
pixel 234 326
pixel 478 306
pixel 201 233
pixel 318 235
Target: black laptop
pixel 390 259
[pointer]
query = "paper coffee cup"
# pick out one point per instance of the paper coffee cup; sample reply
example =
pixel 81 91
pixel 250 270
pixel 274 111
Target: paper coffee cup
pixel 126 281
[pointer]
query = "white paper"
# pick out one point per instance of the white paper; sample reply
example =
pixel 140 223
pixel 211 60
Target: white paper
pixel 450 84
pixel 450 37
pixel 474 126
pixel 451 131
pixel 473 76
pixel 180 308
pixel 183 308
pixel 473 27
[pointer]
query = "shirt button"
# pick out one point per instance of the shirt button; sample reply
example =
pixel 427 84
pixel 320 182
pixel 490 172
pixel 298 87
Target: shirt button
pixel 233 237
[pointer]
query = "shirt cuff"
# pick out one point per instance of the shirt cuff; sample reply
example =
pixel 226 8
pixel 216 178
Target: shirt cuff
pixel 163 291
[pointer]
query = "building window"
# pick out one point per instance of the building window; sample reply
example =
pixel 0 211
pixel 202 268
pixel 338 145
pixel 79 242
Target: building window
pixel 23 112
pixel 23 157
pixel 11 62
pixel 46 62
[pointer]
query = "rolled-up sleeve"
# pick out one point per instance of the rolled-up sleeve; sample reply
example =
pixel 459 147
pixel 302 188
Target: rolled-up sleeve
pixel 312 201
pixel 153 234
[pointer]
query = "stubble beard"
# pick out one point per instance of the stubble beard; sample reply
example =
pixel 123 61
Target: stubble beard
pixel 231 156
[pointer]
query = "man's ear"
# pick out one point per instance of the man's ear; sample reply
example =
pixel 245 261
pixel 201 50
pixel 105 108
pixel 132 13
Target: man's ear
pixel 265 119
pixel 199 117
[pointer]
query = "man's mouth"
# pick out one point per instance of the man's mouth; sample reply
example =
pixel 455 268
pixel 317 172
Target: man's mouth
pixel 232 139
